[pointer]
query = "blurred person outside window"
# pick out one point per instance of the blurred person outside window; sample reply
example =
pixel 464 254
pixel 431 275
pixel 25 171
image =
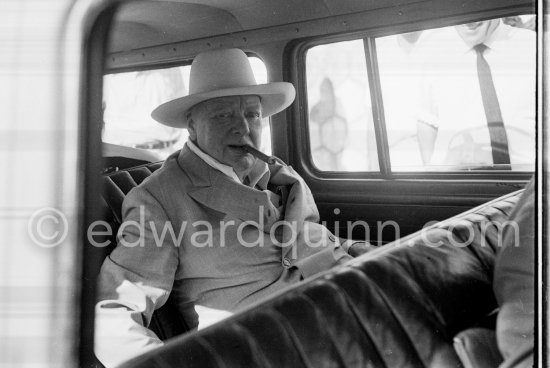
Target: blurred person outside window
pixel 129 100
pixel 399 73
pixel 328 128
pixel 456 105
pixel 340 116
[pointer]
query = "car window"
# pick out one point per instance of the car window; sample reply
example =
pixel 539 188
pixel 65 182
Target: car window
pixel 447 104
pixel 130 97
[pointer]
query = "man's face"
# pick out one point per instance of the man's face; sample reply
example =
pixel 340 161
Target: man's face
pixel 221 126
pixel 477 32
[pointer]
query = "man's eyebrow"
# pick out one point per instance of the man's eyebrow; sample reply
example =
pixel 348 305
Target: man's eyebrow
pixel 220 105
pixel 253 104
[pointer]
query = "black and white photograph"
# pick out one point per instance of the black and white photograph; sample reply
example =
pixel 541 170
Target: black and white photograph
pixel 274 183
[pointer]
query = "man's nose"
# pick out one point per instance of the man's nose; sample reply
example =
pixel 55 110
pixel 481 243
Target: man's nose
pixel 241 125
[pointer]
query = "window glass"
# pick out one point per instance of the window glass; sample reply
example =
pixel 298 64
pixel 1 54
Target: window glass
pixel 340 120
pixel 129 98
pixel 461 97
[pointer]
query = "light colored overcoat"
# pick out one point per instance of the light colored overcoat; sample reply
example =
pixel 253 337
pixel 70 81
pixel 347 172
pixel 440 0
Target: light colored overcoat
pixel 192 231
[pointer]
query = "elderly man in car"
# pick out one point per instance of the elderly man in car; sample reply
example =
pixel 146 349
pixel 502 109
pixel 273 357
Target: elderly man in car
pixel 216 227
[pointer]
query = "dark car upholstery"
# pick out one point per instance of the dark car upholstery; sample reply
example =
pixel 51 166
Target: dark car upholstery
pixel 397 306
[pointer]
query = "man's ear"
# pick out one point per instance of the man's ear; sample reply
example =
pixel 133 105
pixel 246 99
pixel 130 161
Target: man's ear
pixel 191 126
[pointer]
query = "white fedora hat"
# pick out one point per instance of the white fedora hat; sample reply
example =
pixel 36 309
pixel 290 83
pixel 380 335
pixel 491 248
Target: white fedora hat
pixel 221 73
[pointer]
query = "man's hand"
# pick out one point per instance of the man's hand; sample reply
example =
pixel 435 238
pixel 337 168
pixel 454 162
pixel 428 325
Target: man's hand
pixel 359 247
pixel 426 140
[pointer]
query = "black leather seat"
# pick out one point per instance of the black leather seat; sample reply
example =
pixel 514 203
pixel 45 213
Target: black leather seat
pixel 398 306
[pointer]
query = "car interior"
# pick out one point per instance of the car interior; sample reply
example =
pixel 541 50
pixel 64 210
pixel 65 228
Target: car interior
pixel 348 134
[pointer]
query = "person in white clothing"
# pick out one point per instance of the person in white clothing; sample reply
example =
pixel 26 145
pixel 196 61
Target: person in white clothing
pixel 452 122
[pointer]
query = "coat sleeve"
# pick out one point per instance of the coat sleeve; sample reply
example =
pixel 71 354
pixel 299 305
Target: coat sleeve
pixel 135 280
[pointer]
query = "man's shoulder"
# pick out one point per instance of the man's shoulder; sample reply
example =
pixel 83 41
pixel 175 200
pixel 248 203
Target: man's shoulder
pixel 165 181
pixel 169 169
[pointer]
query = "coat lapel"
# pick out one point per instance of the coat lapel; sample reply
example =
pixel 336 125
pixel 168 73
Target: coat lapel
pixel 217 191
pixel 237 200
pixel 300 207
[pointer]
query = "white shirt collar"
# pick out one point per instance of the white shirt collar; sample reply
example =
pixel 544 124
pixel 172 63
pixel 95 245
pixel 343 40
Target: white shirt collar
pixel 258 176
pixel 499 33
pixel 226 169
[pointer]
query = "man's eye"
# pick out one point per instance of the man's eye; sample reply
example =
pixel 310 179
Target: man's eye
pixel 253 115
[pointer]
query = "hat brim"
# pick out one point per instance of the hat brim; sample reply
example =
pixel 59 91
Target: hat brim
pixel 275 97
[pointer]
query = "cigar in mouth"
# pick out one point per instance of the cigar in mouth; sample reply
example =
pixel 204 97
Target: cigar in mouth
pixel 270 160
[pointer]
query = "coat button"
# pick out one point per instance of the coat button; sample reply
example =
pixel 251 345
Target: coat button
pixel 286 262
